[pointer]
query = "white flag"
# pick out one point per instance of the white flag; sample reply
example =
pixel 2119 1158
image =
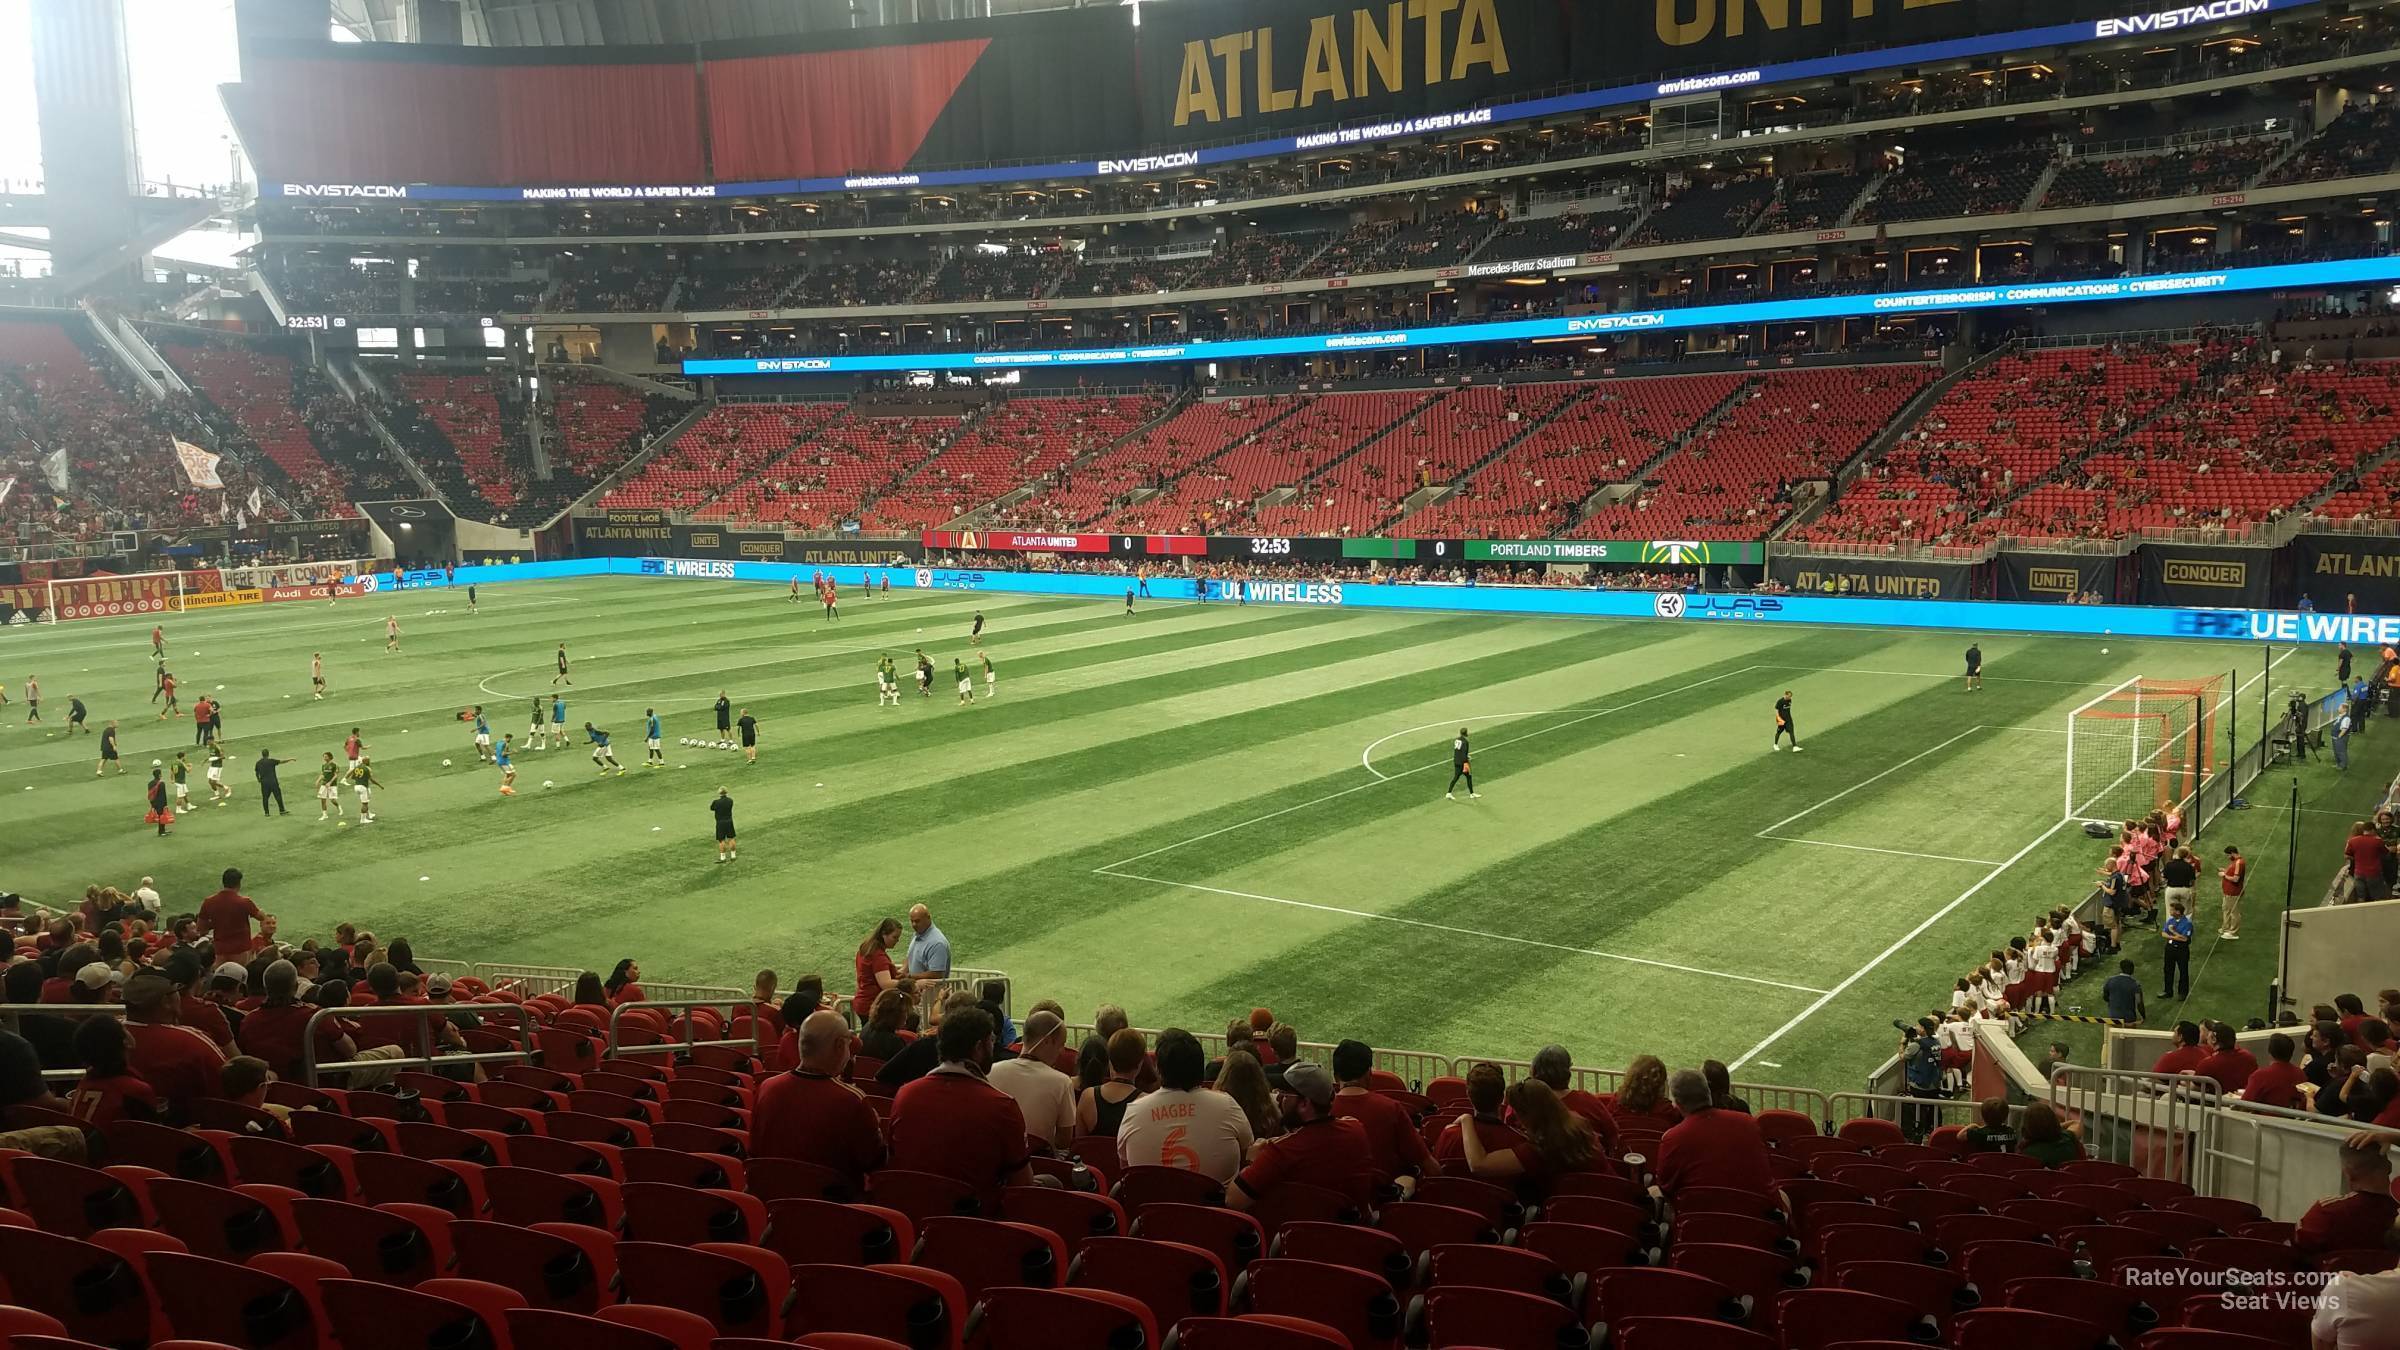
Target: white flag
pixel 54 468
pixel 198 465
pixel 257 503
pixel 7 485
pixel 240 521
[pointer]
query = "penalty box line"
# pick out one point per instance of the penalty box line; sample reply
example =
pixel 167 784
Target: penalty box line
pixel 1769 834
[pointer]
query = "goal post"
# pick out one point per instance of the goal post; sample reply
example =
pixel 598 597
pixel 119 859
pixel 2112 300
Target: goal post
pixel 104 597
pixel 2146 745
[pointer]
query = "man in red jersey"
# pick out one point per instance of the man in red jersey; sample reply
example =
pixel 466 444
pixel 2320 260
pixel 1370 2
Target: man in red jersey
pixel 1710 1146
pixel 1392 1139
pixel 1555 1069
pixel 810 1114
pixel 1321 1149
pixel 955 1123
pixel 2361 1216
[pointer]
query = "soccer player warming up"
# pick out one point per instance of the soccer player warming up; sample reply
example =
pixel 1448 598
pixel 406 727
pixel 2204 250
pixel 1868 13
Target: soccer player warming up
pixel 316 675
pixel 218 792
pixel 991 677
pixel 1783 722
pixel 391 633
pixel 483 736
pixel 657 758
pixel 966 682
pixel 975 634
pixel 562 675
pixel 533 738
pixel 1974 666
pixel 507 766
pixel 603 758
pixel 363 783
pixel 329 787
pixel 1460 768
pixel 924 673
pixel 158 643
pixel 721 806
pixel 748 726
pixel 887 683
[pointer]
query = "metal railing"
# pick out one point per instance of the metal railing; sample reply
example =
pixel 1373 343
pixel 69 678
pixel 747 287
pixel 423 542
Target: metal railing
pixel 426 1014
pixel 2162 1124
pixel 11 1015
pixel 618 1048
pixel 528 981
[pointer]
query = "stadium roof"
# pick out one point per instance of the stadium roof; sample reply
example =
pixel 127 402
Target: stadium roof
pixel 585 23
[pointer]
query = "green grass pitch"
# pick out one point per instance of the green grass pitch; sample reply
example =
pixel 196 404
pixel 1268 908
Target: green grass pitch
pixel 1191 811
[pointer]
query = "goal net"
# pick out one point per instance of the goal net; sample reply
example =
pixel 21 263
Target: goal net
pixel 109 597
pixel 2143 746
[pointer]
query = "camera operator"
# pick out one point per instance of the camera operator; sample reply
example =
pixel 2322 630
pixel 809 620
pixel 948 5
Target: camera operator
pixel 1921 1066
pixel 2299 713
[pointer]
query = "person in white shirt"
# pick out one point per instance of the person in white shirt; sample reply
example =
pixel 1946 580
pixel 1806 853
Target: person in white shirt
pixel 147 895
pixel 1957 1038
pixel 2041 968
pixel 1046 1096
pixel 2358 1312
pixel 1184 1124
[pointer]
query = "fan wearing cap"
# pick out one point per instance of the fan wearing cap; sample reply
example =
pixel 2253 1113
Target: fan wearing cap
pixel 228 985
pixel 193 1010
pixel 178 1063
pixel 1318 1148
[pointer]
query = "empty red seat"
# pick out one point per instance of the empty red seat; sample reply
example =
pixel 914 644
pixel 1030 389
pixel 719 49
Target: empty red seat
pixel 1257 1331
pixel 240 1305
pixel 802 1231
pixel 909 1304
pixel 1359 1305
pixel 1231 1236
pixel 2022 1329
pixel 1815 1319
pixel 568 1267
pixel 1686 1333
pixel 227 1224
pixel 659 1212
pixel 738 1288
pixel 619 1328
pixel 1467 1315
pixel 95 1294
pixel 1172 1280
pixel 983 1254
pixel 1355 1246
pixel 1136 1188
pixel 387 1244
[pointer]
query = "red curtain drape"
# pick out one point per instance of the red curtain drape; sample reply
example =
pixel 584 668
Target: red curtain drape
pixel 813 114
pixel 354 121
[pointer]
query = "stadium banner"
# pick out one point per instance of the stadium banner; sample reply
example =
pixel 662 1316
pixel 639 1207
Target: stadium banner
pixel 1016 541
pixel 2341 272
pixel 199 466
pixel 1655 552
pixel 2346 573
pixel 1188 87
pixel 1978 616
pixel 1816 575
pixel 222 599
pixel 2055 578
pixel 276 595
pixel 650 534
pixel 2181 574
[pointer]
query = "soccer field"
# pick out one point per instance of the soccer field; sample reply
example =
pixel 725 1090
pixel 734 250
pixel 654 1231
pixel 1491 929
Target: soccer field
pixel 1192 811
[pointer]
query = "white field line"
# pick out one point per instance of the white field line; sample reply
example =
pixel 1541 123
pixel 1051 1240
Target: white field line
pixel 1372 782
pixel 1886 954
pixel 1468 932
pixel 1868 848
pixel 140 637
pixel 1945 911
pixel 1932 675
pixel 1366 757
pixel 1865 782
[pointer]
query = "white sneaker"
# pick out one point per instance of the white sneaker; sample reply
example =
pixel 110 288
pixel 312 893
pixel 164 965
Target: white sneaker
pixel 1476 795
pixel 2230 937
pixel 1449 796
pixel 1795 749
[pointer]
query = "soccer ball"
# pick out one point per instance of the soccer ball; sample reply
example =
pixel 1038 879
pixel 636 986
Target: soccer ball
pixel 548 784
pixel 724 745
pixel 445 764
pixel 685 741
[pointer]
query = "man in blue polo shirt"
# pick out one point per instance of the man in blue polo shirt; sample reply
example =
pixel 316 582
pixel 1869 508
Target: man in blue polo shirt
pixel 928 954
pixel 2177 930
pixel 2123 994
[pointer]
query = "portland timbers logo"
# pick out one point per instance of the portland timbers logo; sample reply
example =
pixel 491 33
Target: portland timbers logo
pixel 1674 551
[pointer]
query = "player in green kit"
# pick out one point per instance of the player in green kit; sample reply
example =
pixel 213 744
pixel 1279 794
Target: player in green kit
pixel 966 682
pixel 329 787
pixel 217 791
pixel 887 683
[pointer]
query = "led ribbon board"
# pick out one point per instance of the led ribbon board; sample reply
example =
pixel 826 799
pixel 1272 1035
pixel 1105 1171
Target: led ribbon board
pixel 2346 272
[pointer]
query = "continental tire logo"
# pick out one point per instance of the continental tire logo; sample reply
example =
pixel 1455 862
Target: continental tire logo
pixel 1667 605
pixel 2224 575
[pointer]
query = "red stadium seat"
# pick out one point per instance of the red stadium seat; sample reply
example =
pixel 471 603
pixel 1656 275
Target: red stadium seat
pixel 910 1304
pixel 1172 1280
pixel 1257 1331
pixel 1354 1246
pixel 1466 1315
pixel 739 1289
pixel 240 1305
pixel 1359 1305
pixel 1231 1236
pixel 567 1267
pixel 1686 1333
pixel 93 1293
pixel 984 1254
pixel 803 1231
pixel 1815 1319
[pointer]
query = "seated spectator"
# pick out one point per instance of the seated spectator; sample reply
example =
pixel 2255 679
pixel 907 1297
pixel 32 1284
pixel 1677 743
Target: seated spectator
pixel 53 1038
pixel 1183 1124
pixel 178 1063
pixel 2231 1065
pixel 589 992
pixel 2045 1139
pixel 624 984
pixel 2276 1082
pixel 1238 1036
pixel 192 1007
pixel 886 1032
pixel 2187 1056
pixel 1553 1141
pixel 809 1114
pixel 765 1008
pixel 21 1084
pixel 1322 1149
pixel 1710 1147
pixel 1398 1149
pixel 244 1081
pixel 1046 1096
pixel 990 995
pixel 1241 1079
pixel 1641 1102
pixel 2358 1312
pixel 1102 1109
pixel 273 1030
pixel 955 1123
pixel 1065 1060
pixel 2361 1216
pixel 1554 1068
pixel 918 1057
pixel 1486 1091
pixel 1991 1133
pixel 109 1090
pixel 1720 1088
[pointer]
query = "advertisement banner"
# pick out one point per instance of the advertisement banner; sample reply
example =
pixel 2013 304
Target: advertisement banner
pixel 99 597
pixel 275 595
pixel 1172 545
pixel 2198 577
pixel 1015 541
pixel 2349 573
pixel 1389 550
pixel 1891 577
pixel 1655 552
pixel 2055 578
pixel 221 599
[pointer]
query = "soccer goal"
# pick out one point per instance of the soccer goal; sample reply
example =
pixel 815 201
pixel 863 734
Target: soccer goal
pixel 2143 746
pixel 108 597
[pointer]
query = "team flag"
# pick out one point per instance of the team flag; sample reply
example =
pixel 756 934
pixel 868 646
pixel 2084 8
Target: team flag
pixel 199 466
